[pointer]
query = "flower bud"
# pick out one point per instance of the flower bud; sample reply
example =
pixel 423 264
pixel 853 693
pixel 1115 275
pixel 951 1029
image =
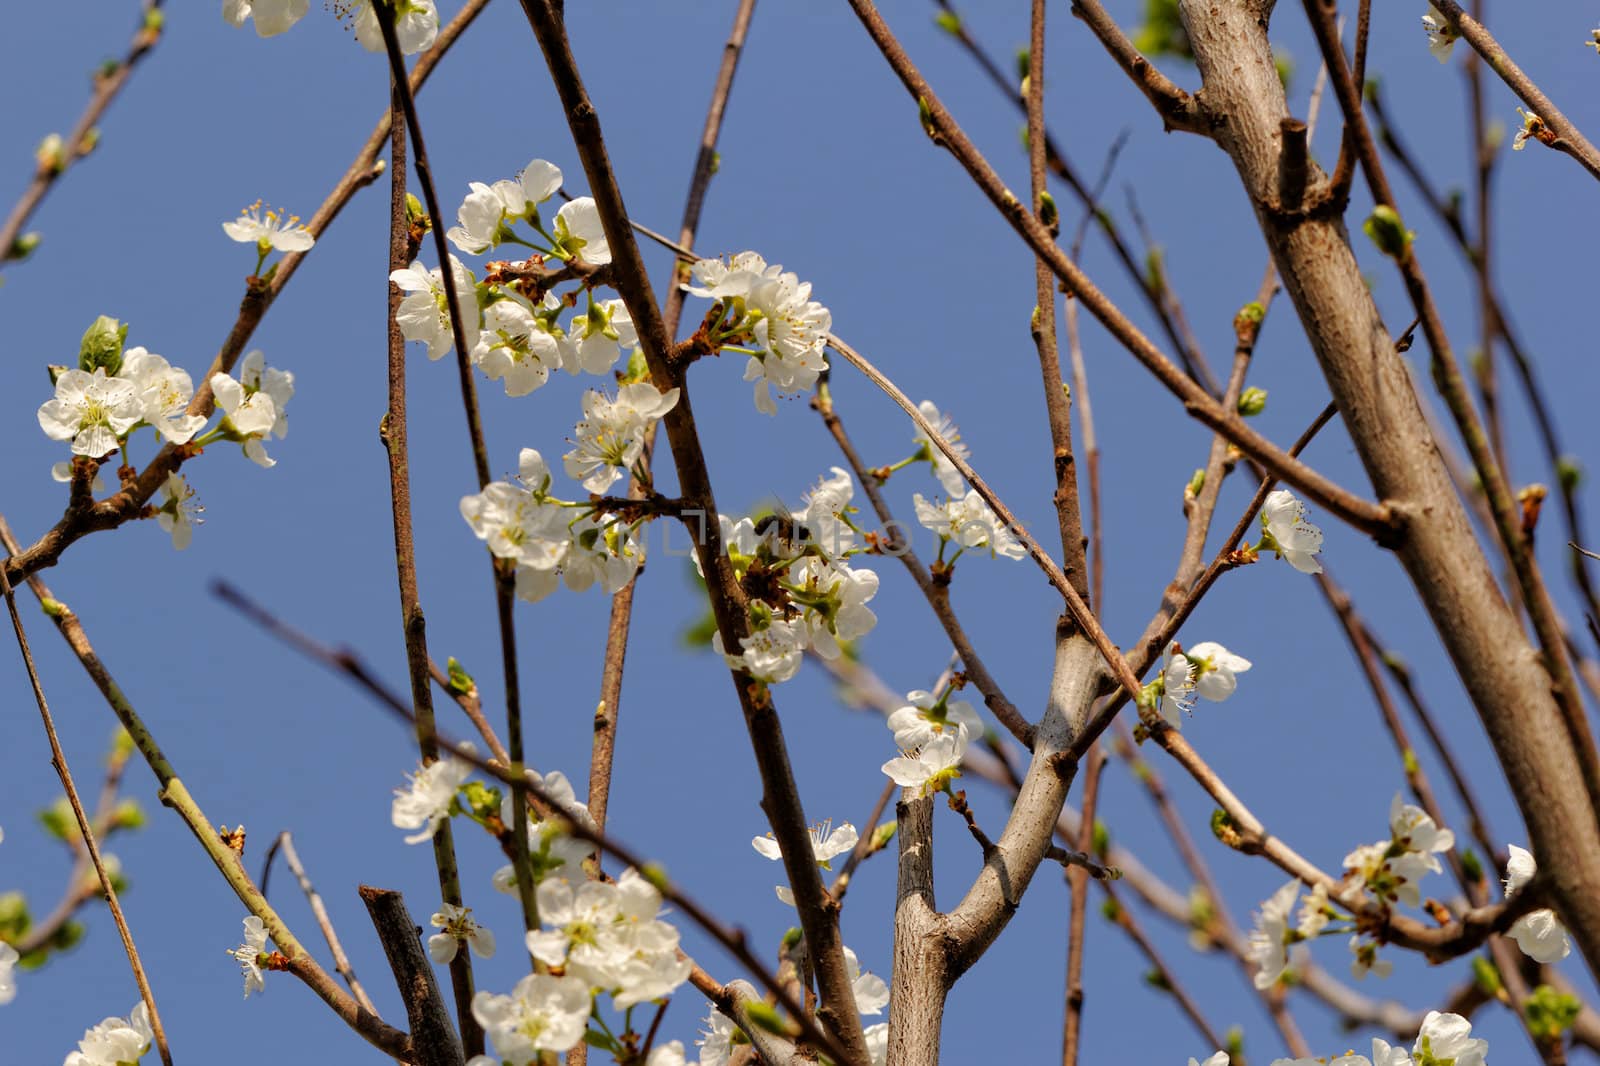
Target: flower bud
pixel 765 1017
pixel 23 246
pixel 102 345
pixel 1049 213
pixel 1252 402
pixel 948 21
pixel 460 680
pixel 1388 232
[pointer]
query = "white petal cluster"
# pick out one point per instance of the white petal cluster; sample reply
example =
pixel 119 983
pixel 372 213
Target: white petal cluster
pixel 269 230
pixel 1441 36
pixel 552 850
pixel 271 17
pixel 457 927
pixel 611 936
pixel 8 979
pixel 968 522
pixel 1539 934
pixel 488 211
pixel 943 469
pixel 804 593
pixel 1444 1038
pixel 1206 670
pixel 721 1036
pixel 774 311
pixel 611 436
pixel 1272 935
pixel 932 734
pixel 424 312
pixel 1288 534
pixel 248 954
pixel 416 24
pixel 520 521
pixel 177 513
pixel 1391 869
pixel 580 233
pixel 425 803
pixel 254 405
pixel 827 843
pixel 115 1041
pixel 542 1013
pixel 92 410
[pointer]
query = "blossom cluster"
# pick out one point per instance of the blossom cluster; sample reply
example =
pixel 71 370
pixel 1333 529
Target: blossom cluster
pixel 113 392
pixel 416 21
pixel 932 733
pixel 115 1041
pixel 802 591
pixel 1206 670
pixel 597 937
pixel 1443 1039
pixel 961 517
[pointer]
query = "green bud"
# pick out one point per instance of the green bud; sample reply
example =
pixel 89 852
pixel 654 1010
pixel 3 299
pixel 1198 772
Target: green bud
pixel 1549 1013
pixel 1569 472
pixel 699 634
pixel 52 608
pixel 68 935
pixel 1408 759
pixel 716 162
pixel 1388 232
pixel 480 800
pixel 925 116
pixel 128 815
pixel 1234 1038
pixel 763 1016
pixel 155 20
pixel 1485 976
pixel 1370 89
pixel 1225 829
pixel 1285 65
pixel 1100 839
pixel 107 68
pixel 1252 401
pixel 51 154
pixel 91 140
pixel 1111 910
pixel 791 938
pixel 656 875
pixel 1049 213
pixel 102 345
pixel 460 680
pixel 1252 312
pixel 1024 64
pixel 1472 865
pixel 24 246
pixel 1157 980
pixel 121 740
pixel 883 834
pixel 948 21
pixel 1192 489
pixel 59 821
pixel 414 210
pixel 1154 270
pixel 14 917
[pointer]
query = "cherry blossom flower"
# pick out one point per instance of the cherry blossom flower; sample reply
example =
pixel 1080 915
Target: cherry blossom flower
pixel 611 436
pixel 515 348
pixel 1269 940
pixel 719 280
pixel 8 979
pixel 932 766
pixel 253 405
pixel 552 851
pixel 943 469
pixel 1539 934
pixel 1219 1059
pixel 1412 829
pixel 424 313
pixel 457 927
pixel 718 1039
pixel 669 1054
pixel 542 1013
pixel 580 232
pixel 825 515
pixel 249 954
pixel 1313 913
pixel 164 393
pixel 604 551
pixel 270 230
pixel 791 329
pixel 970 523
pixel 834 601
pixel 596 337
pixel 870 991
pixel 1390 872
pixel 115 1041
pixel 426 802
pixel 926 716
pixel 272 17
pixel 483 214
pixel 771 654
pixel 1532 126
pixel 415 26
pixel 826 844
pixel 877 1038
pixel 1288 534
pixel 1447 1038
pixel 1365 959
pixel 176 511
pixel 1441 35
pixel 93 411
pixel 610 936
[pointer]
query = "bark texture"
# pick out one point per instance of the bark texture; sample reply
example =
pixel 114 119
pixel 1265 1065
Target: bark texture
pixel 1500 669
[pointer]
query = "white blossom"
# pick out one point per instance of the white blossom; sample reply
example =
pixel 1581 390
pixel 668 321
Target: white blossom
pixel 1441 36
pixel 1365 959
pixel 253 405
pixel 825 515
pixel 1539 934
pixel 552 850
pixel 1289 534
pixel 456 927
pixel 970 523
pixel 424 804
pixel 943 469
pixel 249 954
pixel 596 338
pixel 272 17
pixel 93 411
pixel 424 313
pixel 771 654
pixel 1219 1059
pixel 515 348
pixel 1313 912
pixel 928 768
pixel 870 991
pixel 834 598
pixel 542 1013
pixel 8 979
pixel 482 213
pixel 668 1054
pixel 926 716
pixel 1447 1038
pixel 718 1039
pixel 415 26
pixel 1269 940
pixel 611 436
pixel 1532 126
pixel 580 231
pixel 719 280
pixel 164 393
pixel 272 229
pixel 791 329
pixel 115 1041
pixel 1411 828
pixel 176 511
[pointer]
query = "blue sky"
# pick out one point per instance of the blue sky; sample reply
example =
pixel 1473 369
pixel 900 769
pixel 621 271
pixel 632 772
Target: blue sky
pixel 824 169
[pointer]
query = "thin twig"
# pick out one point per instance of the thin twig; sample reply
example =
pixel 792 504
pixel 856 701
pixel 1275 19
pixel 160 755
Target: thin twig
pixel 341 962
pixel 58 759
